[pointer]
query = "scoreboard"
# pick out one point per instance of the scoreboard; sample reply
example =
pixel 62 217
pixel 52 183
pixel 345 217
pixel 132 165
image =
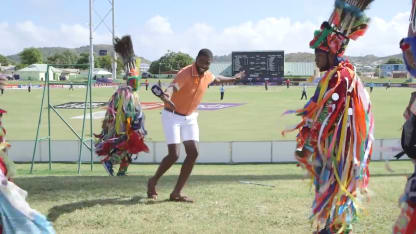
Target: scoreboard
pixel 259 65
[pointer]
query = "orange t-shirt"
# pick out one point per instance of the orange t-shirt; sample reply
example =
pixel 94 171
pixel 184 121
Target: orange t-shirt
pixel 192 87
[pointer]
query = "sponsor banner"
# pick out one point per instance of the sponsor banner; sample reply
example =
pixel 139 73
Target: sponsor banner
pixel 395 85
pixel 15 86
pixel 145 106
pixel 79 105
pixel 217 106
pixel 95 115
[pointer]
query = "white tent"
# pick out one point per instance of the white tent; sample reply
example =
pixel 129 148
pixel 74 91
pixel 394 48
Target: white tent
pixel 38 72
pixel 101 72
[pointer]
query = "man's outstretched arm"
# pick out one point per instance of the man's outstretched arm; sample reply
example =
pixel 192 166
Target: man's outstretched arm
pixel 222 79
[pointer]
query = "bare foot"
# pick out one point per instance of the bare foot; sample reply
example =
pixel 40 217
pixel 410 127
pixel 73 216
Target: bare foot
pixel 151 189
pixel 179 198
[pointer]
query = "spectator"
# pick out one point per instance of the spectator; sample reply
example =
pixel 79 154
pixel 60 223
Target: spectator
pixel 3 81
pixel 304 93
pixel 371 87
pixel 222 90
pixel 287 83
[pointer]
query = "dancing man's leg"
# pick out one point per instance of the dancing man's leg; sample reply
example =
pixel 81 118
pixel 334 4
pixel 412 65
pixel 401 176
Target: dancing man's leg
pixel 167 162
pixel 187 166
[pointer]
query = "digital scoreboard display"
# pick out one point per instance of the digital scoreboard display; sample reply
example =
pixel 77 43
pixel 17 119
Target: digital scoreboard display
pixel 259 65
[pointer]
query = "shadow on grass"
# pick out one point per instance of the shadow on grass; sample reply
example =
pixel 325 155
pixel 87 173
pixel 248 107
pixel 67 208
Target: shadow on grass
pixel 39 185
pixel 57 211
pixel 53 186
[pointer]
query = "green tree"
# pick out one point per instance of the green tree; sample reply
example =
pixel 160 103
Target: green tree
pixel 170 61
pixel 21 66
pixel 394 61
pixel 105 62
pixel 67 57
pixel 84 61
pixel 30 56
pixel 4 61
pixel 83 58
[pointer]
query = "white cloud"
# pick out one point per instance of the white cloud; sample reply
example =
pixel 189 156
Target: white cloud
pixel 157 36
pixel 382 37
pixel 27 34
pixel 266 34
pixel 158 25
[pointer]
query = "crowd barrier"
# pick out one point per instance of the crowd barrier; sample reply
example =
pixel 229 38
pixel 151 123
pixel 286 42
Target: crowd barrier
pixel 209 152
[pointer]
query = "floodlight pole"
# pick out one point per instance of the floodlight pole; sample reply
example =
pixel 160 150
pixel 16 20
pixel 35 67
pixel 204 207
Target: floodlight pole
pixel 91 43
pixel 114 52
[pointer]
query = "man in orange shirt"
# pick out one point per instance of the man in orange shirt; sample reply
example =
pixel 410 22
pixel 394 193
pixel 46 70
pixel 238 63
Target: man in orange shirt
pixel 180 121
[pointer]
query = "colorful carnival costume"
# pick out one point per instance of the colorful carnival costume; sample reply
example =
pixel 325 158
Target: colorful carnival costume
pixel 123 129
pixel 16 216
pixel 335 137
pixel 406 222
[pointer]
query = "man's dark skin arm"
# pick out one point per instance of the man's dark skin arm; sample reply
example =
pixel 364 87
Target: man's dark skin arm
pixel 222 79
pixel 218 80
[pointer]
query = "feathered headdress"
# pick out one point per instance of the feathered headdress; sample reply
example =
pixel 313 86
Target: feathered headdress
pixel 408 44
pixel 124 47
pixel 347 21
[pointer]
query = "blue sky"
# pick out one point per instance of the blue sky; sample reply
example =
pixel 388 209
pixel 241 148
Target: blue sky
pixel 183 25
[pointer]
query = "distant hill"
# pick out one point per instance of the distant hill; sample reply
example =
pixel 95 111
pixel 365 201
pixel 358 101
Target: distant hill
pixel 50 51
pixel 368 60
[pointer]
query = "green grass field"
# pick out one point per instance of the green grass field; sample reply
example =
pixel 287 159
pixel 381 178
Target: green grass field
pixel 258 120
pixel 95 203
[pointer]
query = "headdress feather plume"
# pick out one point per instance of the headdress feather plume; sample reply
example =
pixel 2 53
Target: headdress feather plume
pixel 346 22
pixel 124 47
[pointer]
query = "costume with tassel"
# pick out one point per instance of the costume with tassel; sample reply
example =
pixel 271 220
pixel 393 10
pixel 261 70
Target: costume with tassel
pixel 335 137
pixel 123 129
pixel 16 216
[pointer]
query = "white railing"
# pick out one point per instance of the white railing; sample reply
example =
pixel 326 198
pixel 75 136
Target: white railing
pixel 209 152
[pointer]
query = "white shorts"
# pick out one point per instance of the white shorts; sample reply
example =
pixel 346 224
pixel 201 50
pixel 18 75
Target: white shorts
pixel 180 128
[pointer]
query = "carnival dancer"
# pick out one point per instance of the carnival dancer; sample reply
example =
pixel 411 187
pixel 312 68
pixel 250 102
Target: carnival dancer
pixel 16 216
pixel 123 129
pixel 406 222
pixel 335 137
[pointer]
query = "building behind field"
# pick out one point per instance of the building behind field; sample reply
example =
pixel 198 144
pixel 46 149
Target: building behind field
pixel 38 72
pixel 221 68
pixel 393 70
pixel 299 69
